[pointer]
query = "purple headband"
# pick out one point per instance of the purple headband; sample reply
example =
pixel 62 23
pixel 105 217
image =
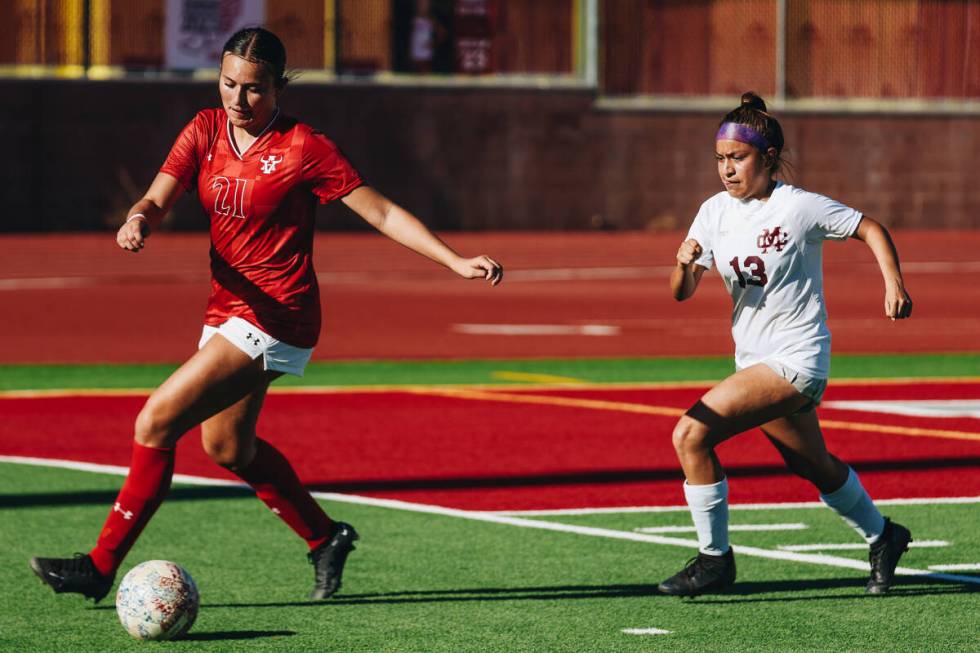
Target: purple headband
pixel 732 131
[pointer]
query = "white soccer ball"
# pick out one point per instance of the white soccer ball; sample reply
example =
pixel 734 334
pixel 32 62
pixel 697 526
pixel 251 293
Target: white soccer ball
pixel 157 600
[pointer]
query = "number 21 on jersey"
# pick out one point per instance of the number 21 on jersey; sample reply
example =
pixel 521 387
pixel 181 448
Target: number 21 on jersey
pixel 230 198
pixel 754 272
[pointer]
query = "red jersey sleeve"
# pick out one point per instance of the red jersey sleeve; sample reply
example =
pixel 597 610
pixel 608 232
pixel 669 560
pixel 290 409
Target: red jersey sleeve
pixel 329 174
pixel 184 160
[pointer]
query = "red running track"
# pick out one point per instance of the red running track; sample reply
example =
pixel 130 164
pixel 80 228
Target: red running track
pixel 489 455
pixel 78 298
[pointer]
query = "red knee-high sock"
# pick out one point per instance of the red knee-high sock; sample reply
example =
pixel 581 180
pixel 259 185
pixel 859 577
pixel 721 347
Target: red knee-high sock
pixel 276 484
pixel 150 473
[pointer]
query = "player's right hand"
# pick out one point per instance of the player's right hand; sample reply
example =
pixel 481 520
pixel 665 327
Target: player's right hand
pixel 689 252
pixel 132 235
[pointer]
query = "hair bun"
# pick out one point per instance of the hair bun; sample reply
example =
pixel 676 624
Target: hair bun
pixel 753 101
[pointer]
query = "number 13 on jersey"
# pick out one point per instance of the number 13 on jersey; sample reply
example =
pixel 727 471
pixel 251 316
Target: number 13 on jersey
pixel 754 273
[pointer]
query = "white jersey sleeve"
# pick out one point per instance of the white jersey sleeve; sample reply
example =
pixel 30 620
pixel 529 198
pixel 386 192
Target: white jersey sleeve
pixel 701 231
pixel 828 219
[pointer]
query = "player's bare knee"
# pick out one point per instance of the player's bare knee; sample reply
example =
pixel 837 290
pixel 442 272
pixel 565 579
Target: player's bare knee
pixel 221 451
pixel 689 436
pixel 228 451
pixel 154 427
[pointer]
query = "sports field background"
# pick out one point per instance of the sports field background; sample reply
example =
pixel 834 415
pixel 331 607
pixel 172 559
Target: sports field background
pixel 504 452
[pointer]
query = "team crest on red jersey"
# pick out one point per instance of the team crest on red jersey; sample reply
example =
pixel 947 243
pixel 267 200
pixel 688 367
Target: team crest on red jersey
pixel 270 162
pixel 774 237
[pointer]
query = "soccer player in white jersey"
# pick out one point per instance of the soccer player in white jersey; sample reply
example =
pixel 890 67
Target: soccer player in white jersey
pixel 765 237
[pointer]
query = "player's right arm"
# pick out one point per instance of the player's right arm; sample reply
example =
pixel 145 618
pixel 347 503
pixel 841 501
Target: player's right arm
pixel 148 212
pixel 686 275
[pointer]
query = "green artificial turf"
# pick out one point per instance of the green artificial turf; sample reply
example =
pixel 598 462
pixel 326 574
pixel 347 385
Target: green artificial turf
pixel 425 582
pixel 599 370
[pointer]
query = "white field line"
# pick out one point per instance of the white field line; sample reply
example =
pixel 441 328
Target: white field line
pixel 646 631
pixel 915 408
pixel 917 501
pixel 817 559
pixel 857 546
pixel 731 527
pixel 970 566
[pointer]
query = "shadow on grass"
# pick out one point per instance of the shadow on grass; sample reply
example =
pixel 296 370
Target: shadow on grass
pixel 222 635
pixel 552 593
pixel 750 592
pixel 740 592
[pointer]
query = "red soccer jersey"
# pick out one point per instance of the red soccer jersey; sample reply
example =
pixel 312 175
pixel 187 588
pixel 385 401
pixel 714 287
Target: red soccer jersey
pixel 261 204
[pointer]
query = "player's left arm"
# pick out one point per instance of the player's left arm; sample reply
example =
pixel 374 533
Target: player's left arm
pixel 404 228
pixel 147 214
pixel 898 304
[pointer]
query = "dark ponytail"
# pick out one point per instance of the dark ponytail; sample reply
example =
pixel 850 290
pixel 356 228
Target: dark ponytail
pixel 260 46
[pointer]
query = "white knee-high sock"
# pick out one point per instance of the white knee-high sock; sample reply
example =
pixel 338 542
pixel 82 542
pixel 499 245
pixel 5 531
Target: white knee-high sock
pixel 709 510
pixel 852 503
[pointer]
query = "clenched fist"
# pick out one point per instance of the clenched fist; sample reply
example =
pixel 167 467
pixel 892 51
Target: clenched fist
pixel 689 252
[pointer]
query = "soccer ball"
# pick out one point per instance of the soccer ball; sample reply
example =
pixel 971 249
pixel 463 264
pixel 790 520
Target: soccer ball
pixel 157 600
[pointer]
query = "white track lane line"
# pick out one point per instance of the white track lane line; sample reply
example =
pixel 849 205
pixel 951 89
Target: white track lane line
pixel 789 556
pixel 595 273
pixel 537 329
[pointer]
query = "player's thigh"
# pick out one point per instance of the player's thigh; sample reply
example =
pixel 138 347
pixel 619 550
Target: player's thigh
pixel 800 442
pixel 217 376
pixel 237 422
pixel 747 399
pixel 798 434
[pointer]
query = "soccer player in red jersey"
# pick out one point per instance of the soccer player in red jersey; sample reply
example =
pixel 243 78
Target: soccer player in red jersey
pixel 259 175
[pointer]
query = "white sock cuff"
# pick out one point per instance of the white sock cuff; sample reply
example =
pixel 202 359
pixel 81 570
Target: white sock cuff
pixel 706 496
pixel 846 496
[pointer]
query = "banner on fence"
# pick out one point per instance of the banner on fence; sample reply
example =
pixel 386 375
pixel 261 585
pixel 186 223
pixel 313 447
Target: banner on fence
pixel 196 29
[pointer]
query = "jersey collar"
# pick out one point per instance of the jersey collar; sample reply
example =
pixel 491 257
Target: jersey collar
pixel 231 138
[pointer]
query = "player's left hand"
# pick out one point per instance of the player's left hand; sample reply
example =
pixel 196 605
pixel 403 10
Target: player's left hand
pixel 481 267
pixel 898 304
pixel 133 234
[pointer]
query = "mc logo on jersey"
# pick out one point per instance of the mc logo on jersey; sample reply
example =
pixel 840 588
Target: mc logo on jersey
pixel 270 162
pixel 774 238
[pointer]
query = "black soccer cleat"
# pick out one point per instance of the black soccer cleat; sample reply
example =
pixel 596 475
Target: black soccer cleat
pixel 77 575
pixel 702 574
pixel 328 561
pixel 884 556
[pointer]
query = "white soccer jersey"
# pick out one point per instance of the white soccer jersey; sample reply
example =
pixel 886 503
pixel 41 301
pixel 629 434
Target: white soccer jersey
pixel 769 255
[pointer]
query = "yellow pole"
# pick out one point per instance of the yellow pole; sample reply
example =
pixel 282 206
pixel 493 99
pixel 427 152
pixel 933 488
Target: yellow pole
pixel 73 41
pixel 73 22
pixel 100 18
